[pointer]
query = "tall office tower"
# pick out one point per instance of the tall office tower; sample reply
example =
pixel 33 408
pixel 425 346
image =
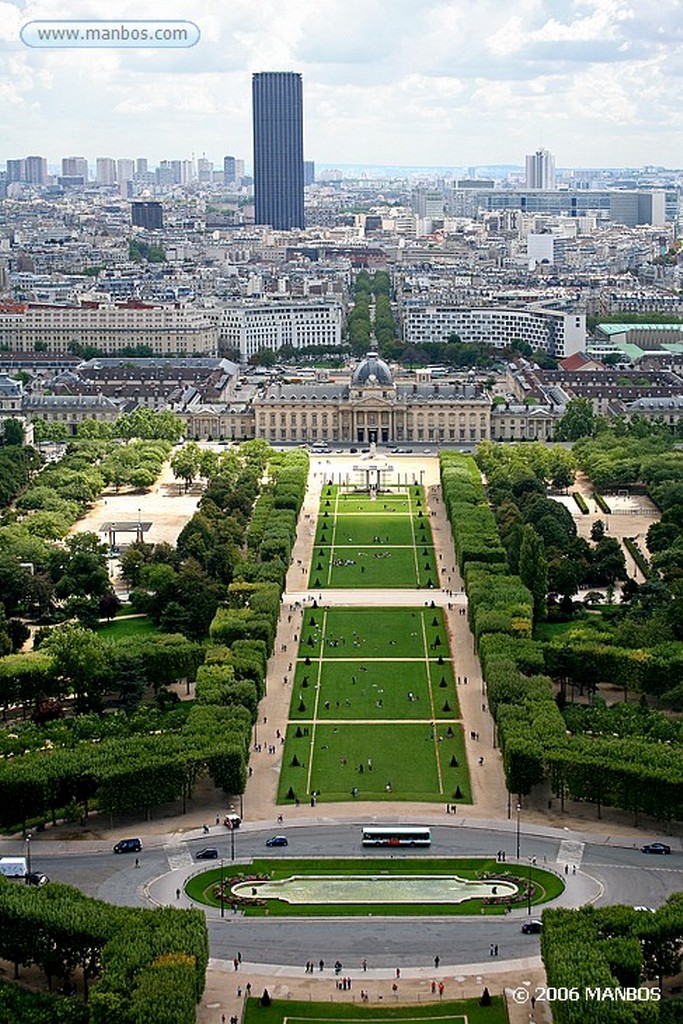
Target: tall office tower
pixel 16 170
pixel 141 165
pixel 72 166
pixel 36 170
pixel 309 172
pixel 105 170
pixel 164 173
pixel 277 100
pixel 125 169
pixel 148 215
pixel 540 170
pixel 239 170
pixel 204 169
pixel 228 170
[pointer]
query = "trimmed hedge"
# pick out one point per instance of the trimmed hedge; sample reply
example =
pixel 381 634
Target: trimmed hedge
pixel 580 501
pixel 139 956
pixel 635 774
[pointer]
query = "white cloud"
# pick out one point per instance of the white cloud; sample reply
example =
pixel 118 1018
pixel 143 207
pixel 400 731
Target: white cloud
pixel 433 81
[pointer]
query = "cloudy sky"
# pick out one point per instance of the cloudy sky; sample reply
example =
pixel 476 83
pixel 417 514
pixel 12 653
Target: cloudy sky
pixel 412 82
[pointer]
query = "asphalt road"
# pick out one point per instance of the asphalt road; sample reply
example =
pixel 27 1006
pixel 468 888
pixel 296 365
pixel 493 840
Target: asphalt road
pixel 626 875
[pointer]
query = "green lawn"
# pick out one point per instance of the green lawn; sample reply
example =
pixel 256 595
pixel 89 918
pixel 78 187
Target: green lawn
pixel 382 543
pixel 547 886
pixel 367 529
pixel 466 1011
pixel 370 682
pixel 400 761
pixel 364 633
pixel 120 628
pixel 376 690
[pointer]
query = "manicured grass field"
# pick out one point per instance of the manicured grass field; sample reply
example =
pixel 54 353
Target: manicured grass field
pixel 401 761
pixel 364 633
pixel 547 886
pixel 376 690
pixel 382 543
pixel 466 1011
pixel 120 628
pixel 374 711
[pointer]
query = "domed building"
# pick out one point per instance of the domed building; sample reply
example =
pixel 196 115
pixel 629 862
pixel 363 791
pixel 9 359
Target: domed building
pixel 372 372
pixel 371 407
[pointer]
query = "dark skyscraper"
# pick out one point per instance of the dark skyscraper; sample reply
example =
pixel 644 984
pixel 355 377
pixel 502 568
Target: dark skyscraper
pixel 278 149
pixel 148 215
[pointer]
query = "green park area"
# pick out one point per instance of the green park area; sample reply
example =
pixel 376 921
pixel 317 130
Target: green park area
pixel 381 542
pixel 465 1011
pixel 398 886
pixel 374 710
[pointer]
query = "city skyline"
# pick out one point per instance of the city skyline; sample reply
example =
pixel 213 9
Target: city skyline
pixel 595 82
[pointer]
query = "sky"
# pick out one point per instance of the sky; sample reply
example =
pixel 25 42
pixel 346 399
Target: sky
pixel 408 82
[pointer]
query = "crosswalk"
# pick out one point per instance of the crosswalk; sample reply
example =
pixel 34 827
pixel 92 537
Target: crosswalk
pixel 570 855
pixel 177 856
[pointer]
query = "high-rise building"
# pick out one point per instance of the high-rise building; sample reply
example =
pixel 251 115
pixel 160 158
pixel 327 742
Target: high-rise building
pixel 277 98
pixel 540 170
pixel 125 169
pixel 204 169
pixel 36 170
pixel 309 172
pixel 228 170
pixel 73 166
pixel 148 215
pixel 16 170
pixel 141 165
pixel 105 170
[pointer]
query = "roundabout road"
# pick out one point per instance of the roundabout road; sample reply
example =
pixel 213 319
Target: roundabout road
pixel 605 873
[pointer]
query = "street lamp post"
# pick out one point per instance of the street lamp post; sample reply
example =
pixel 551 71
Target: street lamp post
pixel 222 893
pixel 519 808
pixel 28 853
pixel 528 889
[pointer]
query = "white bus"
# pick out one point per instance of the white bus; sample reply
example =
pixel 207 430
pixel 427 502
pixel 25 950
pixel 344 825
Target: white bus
pixel 396 835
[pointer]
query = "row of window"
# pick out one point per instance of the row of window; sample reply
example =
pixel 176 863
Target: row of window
pixel 421 434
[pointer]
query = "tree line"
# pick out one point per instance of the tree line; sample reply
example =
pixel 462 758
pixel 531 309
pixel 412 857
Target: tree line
pixel 642 777
pixel 136 965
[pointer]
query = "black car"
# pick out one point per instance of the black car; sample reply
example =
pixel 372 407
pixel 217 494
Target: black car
pixel 36 878
pixel 128 846
pixel 532 927
pixel 656 848
pixel 210 853
pixel 277 841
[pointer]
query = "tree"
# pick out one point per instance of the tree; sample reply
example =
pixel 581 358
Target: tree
pixel 578 421
pixel 81 662
pixel 13 431
pixel 608 563
pixel 597 530
pixel 185 463
pixel 533 569
pixel 80 568
pixel 264 357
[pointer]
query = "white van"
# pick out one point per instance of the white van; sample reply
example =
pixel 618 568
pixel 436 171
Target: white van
pixel 13 867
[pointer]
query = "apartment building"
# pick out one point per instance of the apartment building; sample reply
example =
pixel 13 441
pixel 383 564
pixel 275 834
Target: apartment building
pixel 58 330
pixel 271 325
pixel 556 330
